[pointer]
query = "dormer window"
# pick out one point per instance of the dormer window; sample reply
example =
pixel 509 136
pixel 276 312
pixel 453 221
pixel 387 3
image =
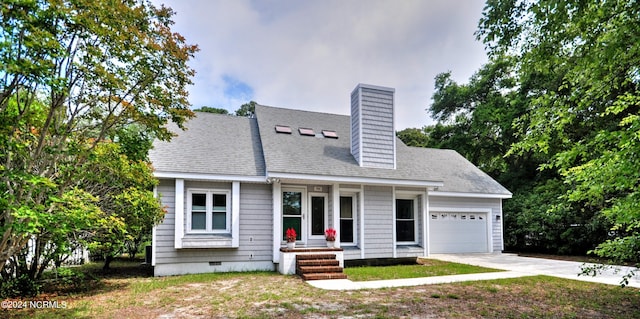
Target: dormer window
pixel 283 129
pixel 306 131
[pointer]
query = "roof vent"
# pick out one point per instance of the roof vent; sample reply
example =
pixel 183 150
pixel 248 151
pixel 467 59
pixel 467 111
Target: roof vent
pixel 306 131
pixel 283 129
pixel 329 134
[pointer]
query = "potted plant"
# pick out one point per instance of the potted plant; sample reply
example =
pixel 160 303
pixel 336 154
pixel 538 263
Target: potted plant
pixel 330 236
pixel 291 238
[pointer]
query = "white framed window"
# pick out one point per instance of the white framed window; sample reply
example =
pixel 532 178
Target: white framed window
pixel 208 211
pixel 406 221
pixel 348 220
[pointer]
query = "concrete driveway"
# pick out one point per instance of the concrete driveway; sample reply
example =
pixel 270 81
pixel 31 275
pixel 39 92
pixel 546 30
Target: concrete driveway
pixel 539 266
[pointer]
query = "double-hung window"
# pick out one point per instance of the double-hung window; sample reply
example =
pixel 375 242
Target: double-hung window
pixel 209 211
pixel 406 220
pixel 347 219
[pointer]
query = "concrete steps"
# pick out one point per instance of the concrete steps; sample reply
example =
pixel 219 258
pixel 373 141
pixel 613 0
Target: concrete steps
pixel 319 267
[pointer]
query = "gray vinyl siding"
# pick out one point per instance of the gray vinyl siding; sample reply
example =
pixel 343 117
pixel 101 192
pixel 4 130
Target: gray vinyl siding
pixel 372 128
pixel 256 224
pixel 355 125
pixel 377 129
pixel 378 218
pixel 164 231
pixel 469 203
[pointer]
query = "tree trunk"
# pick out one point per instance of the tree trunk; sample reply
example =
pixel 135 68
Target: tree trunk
pixel 107 260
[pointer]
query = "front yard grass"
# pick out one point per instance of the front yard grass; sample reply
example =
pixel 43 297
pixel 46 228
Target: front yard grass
pixel 270 295
pixel 431 268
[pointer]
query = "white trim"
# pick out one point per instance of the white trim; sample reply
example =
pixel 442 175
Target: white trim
pixel 394 241
pixel 235 214
pixel 359 110
pixel 361 216
pixel 178 213
pixel 153 232
pixel 425 224
pixel 277 220
pixel 472 195
pixel 487 211
pixel 209 192
pixel 335 196
pixel 501 227
pixel 210 177
pixel 325 214
pixel 413 196
pixel 354 216
pixel 355 180
pixel 303 212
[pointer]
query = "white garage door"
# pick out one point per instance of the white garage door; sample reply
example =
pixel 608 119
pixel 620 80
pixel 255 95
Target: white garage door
pixel 451 232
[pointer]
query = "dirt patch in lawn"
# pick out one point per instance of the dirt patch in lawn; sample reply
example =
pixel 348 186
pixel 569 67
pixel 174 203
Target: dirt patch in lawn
pixel 269 295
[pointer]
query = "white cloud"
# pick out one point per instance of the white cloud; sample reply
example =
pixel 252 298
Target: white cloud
pixel 311 54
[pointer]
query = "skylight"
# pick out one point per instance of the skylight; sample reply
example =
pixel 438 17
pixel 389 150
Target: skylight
pixel 283 129
pixel 329 134
pixel 306 131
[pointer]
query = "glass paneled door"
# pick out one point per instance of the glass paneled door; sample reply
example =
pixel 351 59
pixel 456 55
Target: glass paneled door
pixel 293 206
pixel 318 215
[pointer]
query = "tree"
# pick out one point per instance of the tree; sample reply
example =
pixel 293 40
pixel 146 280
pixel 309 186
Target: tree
pixel 482 120
pixel 578 63
pixel 214 110
pixel 73 73
pixel 124 188
pixel 247 109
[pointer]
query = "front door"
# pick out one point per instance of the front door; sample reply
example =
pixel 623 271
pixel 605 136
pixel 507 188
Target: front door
pixel 318 218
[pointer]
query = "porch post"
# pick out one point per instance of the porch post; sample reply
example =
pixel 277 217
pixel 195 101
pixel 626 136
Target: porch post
pixel 179 213
pixel 235 214
pixel 425 219
pixel 336 211
pixel 361 223
pixel 394 250
pixel 277 220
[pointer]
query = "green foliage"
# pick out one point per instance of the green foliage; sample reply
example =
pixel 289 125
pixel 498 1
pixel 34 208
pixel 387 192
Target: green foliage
pixel 247 109
pixel 577 63
pixel 214 110
pixel 75 74
pixel 129 206
pixel 22 286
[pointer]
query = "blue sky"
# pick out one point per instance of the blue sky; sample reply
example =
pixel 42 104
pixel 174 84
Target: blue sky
pixel 310 55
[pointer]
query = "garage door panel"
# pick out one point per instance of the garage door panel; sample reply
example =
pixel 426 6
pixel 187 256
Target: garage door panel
pixel 458 233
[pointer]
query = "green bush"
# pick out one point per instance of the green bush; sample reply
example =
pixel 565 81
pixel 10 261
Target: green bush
pixel 22 286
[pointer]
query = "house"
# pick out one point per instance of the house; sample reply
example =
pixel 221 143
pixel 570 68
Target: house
pixel 233 185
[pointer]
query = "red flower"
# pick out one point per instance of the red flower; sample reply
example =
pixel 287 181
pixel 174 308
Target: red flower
pixel 330 234
pixel 291 235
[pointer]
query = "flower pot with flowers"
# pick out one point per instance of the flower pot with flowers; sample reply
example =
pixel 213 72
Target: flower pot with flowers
pixel 330 236
pixel 291 238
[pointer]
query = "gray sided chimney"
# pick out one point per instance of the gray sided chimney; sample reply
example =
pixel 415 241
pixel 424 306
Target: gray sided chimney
pixel 373 139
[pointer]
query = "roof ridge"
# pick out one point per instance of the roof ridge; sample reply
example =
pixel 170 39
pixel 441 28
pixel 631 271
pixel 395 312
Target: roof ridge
pixel 301 111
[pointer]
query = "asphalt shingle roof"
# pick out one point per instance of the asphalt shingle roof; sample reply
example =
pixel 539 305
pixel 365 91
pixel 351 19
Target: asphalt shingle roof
pixel 212 144
pixel 229 145
pixel 299 154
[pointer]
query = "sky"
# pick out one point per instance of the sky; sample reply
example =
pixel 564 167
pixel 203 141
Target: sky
pixel 310 55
